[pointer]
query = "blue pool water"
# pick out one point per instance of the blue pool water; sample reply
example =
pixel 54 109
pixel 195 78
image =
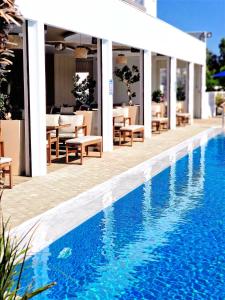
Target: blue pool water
pixel 164 240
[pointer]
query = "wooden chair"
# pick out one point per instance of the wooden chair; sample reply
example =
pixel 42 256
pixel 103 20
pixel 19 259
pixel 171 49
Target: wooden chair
pixel 49 147
pixel 5 165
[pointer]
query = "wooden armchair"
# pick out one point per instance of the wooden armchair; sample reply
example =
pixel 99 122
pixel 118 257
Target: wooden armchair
pixel 5 165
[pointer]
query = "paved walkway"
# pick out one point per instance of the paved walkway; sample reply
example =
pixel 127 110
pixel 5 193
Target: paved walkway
pixel 32 197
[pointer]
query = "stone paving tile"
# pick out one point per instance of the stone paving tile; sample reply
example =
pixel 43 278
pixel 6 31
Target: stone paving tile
pixel 33 196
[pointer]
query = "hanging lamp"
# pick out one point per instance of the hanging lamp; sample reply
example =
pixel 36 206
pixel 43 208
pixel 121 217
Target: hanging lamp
pixel 121 59
pixel 80 51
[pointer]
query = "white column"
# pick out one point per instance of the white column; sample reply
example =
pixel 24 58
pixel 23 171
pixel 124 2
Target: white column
pixel 26 104
pixel 173 92
pixel 107 96
pixel 204 106
pixel 148 93
pixel 99 86
pixel 141 101
pixel 37 98
pixel 190 91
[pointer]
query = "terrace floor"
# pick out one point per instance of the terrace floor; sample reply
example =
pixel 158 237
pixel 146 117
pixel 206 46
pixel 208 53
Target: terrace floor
pixel 33 196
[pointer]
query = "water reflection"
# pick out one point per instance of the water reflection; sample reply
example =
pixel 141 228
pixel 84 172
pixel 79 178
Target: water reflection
pixel 119 273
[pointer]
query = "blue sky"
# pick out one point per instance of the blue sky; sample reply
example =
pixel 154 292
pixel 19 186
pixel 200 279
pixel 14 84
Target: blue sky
pixel 196 15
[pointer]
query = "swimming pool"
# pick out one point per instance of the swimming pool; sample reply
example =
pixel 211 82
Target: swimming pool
pixel 163 240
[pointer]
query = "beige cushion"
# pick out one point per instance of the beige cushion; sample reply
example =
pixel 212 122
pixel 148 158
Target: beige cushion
pixel 67 135
pixel 76 120
pixel 4 160
pixel 68 109
pixel 84 139
pixel 159 119
pixel 132 127
pixel 52 120
pixel 121 111
pixel 185 115
pixel 117 124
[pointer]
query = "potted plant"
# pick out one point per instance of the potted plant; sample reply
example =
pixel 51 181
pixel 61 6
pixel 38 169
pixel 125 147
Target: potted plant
pixel 128 77
pixel 83 91
pixel 180 93
pixel 219 100
pixel 157 96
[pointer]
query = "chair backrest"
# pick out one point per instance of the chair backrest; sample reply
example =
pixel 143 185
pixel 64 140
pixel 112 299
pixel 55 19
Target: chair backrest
pixel 119 114
pixel 75 120
pixel 121 111
pixel 52 120
pixel 66 109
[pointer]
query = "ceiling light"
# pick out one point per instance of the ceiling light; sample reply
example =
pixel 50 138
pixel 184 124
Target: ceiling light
pixel 121 59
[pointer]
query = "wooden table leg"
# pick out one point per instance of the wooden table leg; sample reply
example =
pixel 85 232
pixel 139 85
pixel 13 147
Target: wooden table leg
pixel 10 177
pixel 81 154
pixel 57 143
pixel 67 154
pixel 132 138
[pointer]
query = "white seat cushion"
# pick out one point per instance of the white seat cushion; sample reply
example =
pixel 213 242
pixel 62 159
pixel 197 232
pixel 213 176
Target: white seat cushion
pixel 52 120
pixel 76 120
pixel 84 139
pixel 4 160
pixel 132 127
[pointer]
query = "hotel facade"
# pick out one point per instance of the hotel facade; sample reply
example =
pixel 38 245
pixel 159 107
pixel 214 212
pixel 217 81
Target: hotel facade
pixel 108 29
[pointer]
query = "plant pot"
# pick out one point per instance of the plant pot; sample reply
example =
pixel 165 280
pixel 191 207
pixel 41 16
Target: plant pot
pixel 14 143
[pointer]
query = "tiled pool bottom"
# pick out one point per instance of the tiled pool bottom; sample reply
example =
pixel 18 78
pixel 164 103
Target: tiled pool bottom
pixel 164 240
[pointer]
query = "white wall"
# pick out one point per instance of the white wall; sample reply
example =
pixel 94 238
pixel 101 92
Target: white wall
pixel 64 67
pixel 107 19
pixel 119 88
pixel 151 7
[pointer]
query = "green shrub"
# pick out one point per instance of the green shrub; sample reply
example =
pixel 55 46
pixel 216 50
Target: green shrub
pixel 220 98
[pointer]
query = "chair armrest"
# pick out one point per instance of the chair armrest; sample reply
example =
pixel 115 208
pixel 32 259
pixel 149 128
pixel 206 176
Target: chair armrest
pixel 83 127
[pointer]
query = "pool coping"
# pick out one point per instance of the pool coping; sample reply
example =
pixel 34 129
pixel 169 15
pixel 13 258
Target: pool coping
pixel 56 222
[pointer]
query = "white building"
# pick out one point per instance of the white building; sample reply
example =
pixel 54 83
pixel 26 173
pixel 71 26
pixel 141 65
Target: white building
pixel 108 28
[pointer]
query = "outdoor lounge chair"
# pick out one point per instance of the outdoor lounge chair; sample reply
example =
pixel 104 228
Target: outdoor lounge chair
pixel 129 131
pixel 120 119
pixel 81 144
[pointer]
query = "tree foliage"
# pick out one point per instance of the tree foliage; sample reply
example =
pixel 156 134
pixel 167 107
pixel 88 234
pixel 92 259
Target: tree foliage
pixel 83 91
pixel 128 77
pixel 9 17
pixel 215 63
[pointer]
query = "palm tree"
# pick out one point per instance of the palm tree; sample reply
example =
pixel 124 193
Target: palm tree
pixel 9 17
